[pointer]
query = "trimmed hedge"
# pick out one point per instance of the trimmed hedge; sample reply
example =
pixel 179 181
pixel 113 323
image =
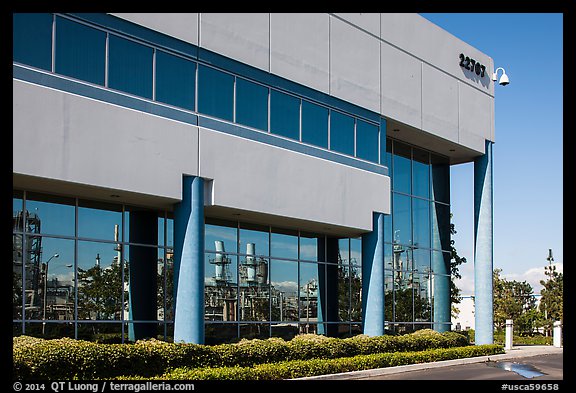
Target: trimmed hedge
pixel 306 368
pixel 65 358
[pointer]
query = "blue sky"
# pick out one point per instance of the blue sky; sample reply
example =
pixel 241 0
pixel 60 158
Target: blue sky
pixel 528 149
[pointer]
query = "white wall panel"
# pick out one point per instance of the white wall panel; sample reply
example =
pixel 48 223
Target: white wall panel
pixel 354 65
pixel 306 64
pixel 241 36
pixel 66 137
pixel 253 176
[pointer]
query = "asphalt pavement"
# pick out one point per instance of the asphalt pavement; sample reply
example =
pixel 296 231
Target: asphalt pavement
pixel 526 362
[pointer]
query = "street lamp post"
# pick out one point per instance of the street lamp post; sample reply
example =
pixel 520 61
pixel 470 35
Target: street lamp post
pixel 45 285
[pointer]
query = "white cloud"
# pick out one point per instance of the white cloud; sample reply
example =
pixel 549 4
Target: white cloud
pixel 532 276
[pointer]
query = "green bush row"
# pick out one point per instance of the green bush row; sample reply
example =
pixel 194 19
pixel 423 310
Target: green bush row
pixel 307 368
pixel 66 358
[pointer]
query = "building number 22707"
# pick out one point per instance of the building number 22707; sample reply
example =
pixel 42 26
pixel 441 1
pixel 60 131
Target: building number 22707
pixel 472 65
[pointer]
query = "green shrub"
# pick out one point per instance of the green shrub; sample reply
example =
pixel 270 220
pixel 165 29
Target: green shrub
pixel 65 358
pixel 305 368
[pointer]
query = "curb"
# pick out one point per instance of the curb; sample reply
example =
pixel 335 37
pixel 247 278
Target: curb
pixel 514 353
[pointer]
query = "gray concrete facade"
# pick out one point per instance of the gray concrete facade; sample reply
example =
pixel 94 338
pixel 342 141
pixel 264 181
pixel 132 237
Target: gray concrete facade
pixel 399 65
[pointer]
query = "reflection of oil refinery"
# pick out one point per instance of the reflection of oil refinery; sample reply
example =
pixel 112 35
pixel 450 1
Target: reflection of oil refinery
pixel 225 300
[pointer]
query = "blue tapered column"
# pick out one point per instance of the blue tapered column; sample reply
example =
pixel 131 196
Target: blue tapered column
pixel 373 278
pixel 189 263
pixel 483 248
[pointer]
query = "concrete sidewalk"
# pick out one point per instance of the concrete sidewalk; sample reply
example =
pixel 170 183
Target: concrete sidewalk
pixel 516 352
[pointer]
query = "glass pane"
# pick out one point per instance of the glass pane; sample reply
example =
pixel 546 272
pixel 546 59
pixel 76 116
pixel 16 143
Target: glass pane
pixel 170 230
pixel 440 179
pixel 388 259
pixel 309 246
pixel 57 279
pixel 221 237
pixel 367 141
pixel 130 67
pixel 308 294
pixel 17 290
pixel 403 304
pixel 344 290
pixel 100 285
pixel 387 157
pixel 254 240
pixel 175 80
pixel 253 271
pixel 421 260
pixel 286 331
pixel 251 104
pixel 344 251
pixel 161 229
pixel 389 282
pixel 168 288
pixel 421 212
pixel 80 51
pixel 341 133
pixel 402 219
pixel 401 168
pixel 314 124
pixel 99 221
pixel 101 332
pixel 50 214
pixel 220 287
pixel 355 273
pixel 17 216
pixel 254 301
pixel 421 173
pixel 356 251
pixel 141 225
pixel 284 115
pixel 143 300
pixel 32 39
pixel 251 331
pixel 161 283
pixel 284 288
pixel 388 228
pixel 215 93
pixel 384 157
pixel 440 226
pixel 422 297
pixel 284 244
pixel 220 333
pixel 50 329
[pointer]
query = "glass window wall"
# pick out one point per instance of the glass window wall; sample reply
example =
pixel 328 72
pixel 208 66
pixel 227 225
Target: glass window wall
pixel 215 93
pixel 367 141
pixel 130 66
pixel 284 115
pixel 175 80
pixel 341 133
pixel 314 124
pixel 32 39
pixel 251 104
pixel 80 51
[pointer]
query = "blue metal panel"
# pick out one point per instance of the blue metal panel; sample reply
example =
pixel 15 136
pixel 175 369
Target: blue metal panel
pixel 373 278
pixel 483 248
pixel 189 263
